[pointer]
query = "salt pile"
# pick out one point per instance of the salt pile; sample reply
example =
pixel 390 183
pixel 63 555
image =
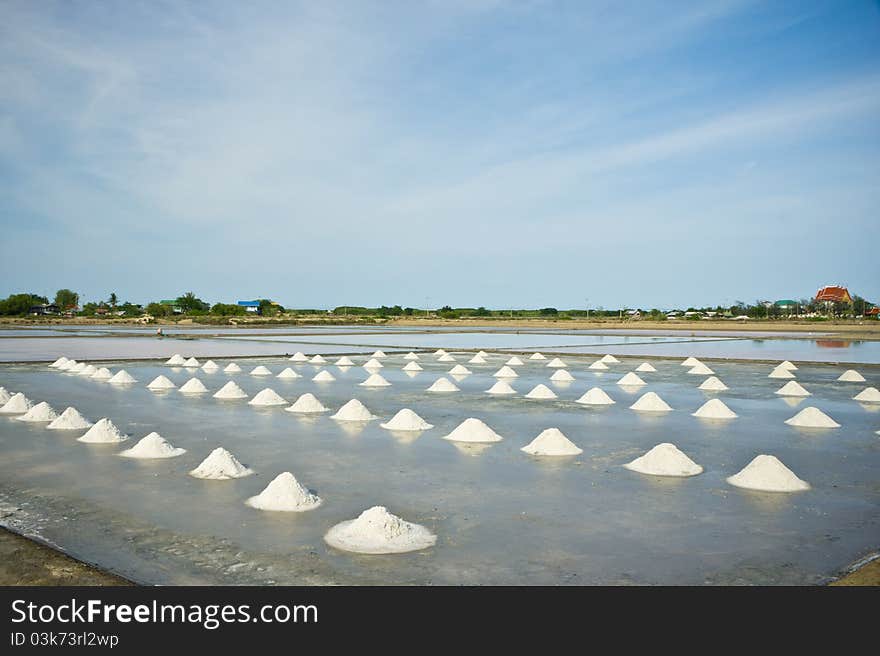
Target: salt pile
pixel 161 383
pixel 445 358
pixel 537 356
pixel 210 365
pixel 318 360
pixel 307 403
pixel 267 396
pixel 260 371
pixel 713 384
pixel 714 409
pixel 345 361
pixel 552 442
pixel 780 373
pixel 232 368
pixel 40 412
pixel 288 373
pixel 103 432
pixel 514 362
pixel 376 531
pixel 650 402
pixel 595 396
pixel 4 395
pixel 354 410
pixel 556 362
pixel 792 388
pixel 768 474
pixel 175 360
pixel 631 380
pixel 609 359
pixel 67 365
pixel 412 366
pixel 812 417
pixel 501 387
pixel 60 361
pixel 122 377
pixel 665 460
pixel 851 376
pixel 375 380
pixel 88 370
pixel 442 385
pixel 505 372
pixel 868 395
pixel 541 392
pixel 407 420
pixel 690 362
pixel 75 369
pixel 219 466
pixel 373 363
pixel 439 352
pixel 473 430
pixel 460 370
pixel 646 367
pixel 192 362
pixel 323 376
pixel 299 356
pixel 598 365
pixel 787 365
pixel 230 391
pixel 153 446
pixel 482 354
pixel 379 354
pixel 410 356
pixel 561 376
pixel 103 374
pixel 700 370
pixel 193 386
pixel 285 494
pixel 70 419
pixel 17 404
pixel 477 359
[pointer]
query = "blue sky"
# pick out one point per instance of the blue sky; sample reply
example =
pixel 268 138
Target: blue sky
pixel 528 154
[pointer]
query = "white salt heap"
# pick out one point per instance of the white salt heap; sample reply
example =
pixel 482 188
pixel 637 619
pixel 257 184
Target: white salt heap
pixel 379 354
pixel 318 359
pixel 598 365
pixel 345 361
pixel 151 447
pixel 75 369
pixel 713 384
pixel 160 383
pixel 375 380
pixel 285 494
pixel 714 409
pixel 412 366
pixel 192 362
pixel 787 365
pixel 514 362
pixel 17 404
pixel 288 373
pixel 354 410
pixel 779 372
pixel 460 370
pixel 501 387
pixel 439 352
pixel 103 432
pixel 306 404
pixel 261 371
pixel 505 372
pixel 665 460
pixel 595 396
pixel 4 395
pixel 70 419
pixel 768 474
pixel 552 442
pixel 410 356
pixel 473 430
pixel 88 370
pixel 690 362
pixel 232 368
pixel 175 360
pixel 609 359
pixel 67 365
pixel 537 356
pixel 868 395
pixel 442 385
pixel 103 374
pixel 541 391
pixel 446 358
pixel 631 380
pixel 477 359
pixel 193 386
pixel 40 412
pixel 851 376
pixel 299 356
pixel 700 370
pixel 376 531
pixel 220 466
pixel 556 362
pixel 266 397
pixel 792 388
pixel 812 417
pixel 60 361
pixel 646 367
pixel 407 420
pixel 210 365
pixel 323 376
pixel 482 354
pixel 230 391
pixel 373 363
pixel 122 377
pixel 650 402
pixel 561 376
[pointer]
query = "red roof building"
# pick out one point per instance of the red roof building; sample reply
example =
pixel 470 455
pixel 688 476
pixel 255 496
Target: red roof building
pixel 834 294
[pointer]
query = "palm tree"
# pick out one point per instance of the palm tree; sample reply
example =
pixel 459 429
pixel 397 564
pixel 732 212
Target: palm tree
pixel 113 300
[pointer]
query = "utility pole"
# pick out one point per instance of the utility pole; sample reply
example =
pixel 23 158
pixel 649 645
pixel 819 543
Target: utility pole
pixel 587 304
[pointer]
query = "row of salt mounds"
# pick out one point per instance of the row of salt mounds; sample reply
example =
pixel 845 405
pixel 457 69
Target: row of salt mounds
pixel 812 417
pixel 17 404
pixel 787 365
pixel 631 380
pixel 691 362
pixel 413 366
pixel 122 377
pixel 175 360
pixel 285 494
pixel 410 356
pixel 373 363
pixel 376 531
pixel 460 370
pixel 501 387
pixel 323 376
pixel 868 395
pixel 477 359
pixel 318 359
pixel 646 367
pixel 88 370
pixel 191 362
pixel 609 359
pixel 345 361
pixel 152 447
pixel 650 402
pixel 67 365
pixel 4 396
pixel 792 388
pixel 446 358
pixel 505 372
pixel 75 368
pixel 514 362
pixel 193 386
pixel 70 419
pixel 473 430
pixel 260 371
pixel 541 391
pixel 561 376
pixel 768 474
pixel 267 397
pixel 851 376
pixel 230 391
pixel 375 380
pixel 161 383
pixel 713 384
pixel 288 373
pixel 780 372
pixel 700 370
pixel 60 361
pixel 379 354
pixel 103 374
pixel 220 465
pixel 552 442
pixel 665 460
pixel 556 363
pixel 598 365
pixel 443 384
pixel 595 396
pixel 537 355
pixel 103 432
pixel 407 420
pixel 210 365
pixel 40 412
pixel 306 404
pixel 299 356
pixel 354 410
pixel 232 368
pixel 715 409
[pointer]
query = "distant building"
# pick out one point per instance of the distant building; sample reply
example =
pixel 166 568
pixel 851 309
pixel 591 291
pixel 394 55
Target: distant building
pixel 171 304
pixel 44 308
pixel 251 306
pixel 834 294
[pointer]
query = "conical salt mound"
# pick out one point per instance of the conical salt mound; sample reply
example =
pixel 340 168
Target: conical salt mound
pixel 67 365
pixel 473 430
pixel 482 354
pixel 60 361
pixel 609 359
pixel 175 360
pixel 812 417
pixel 260 371
pixel 541 391
pixel 299 356
pixel 787 365
pixel 379 354
pixel 220 466
pixel 690 362
pixel 443 385
pixel 103 432
pixel 514 362
pixel 323 376
pixel 561 376
pixel 307 404
pixel 780 373
pixel 596 396
pixel 76 368
pixel 552 442
pixel 192 362
pixel 345 361
pixel 446 358
pixel 410 356
pixel 631 380
pixel 230 391
pixel 868 395
pixel 232 368
pixel 373 363
pixel 376 531
pixel 665 460
pixel 375 380
pixel 537 356
pixel 598 365
pixel 501 387
pixel 439 352
pixel 266 397
pixel 70 419
pixel 768 474
pixel 122 377
pixel 285 494
pixel 713 384
pixel 354 410
pixel 700 370
pixel 851 376
pixel 412 366
pixel 288 373
pixel 4 396
pixel 40 412
pixel 505 372
pixel 151 447
pixel 161 383
pixel 460 370
pixel 477 359
pixel 715 409
pixel 650 402
pixel 193 386
pixel 407 420
pixel 792 388
pixel 17 404
pixel 646 367
pixel 556 362
pixel 210 365
pixel 88 370
pixel 318 359
pixel 102 374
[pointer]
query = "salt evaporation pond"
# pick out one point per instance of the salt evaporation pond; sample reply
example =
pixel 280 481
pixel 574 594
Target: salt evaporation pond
pixel 500 516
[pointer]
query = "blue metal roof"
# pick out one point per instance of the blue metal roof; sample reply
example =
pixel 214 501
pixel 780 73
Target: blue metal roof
pixel 249 303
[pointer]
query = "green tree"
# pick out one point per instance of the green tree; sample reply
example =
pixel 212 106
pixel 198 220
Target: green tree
pixel 228 310
pixel 113 300
pixel 158 310
pixel 20 304
pixel 66 299
pixel 189 303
